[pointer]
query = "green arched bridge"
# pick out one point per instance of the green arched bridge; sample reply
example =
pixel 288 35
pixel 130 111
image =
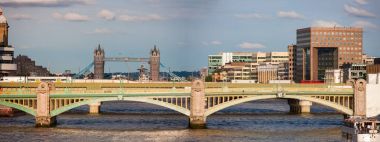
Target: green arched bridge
pixel 196 101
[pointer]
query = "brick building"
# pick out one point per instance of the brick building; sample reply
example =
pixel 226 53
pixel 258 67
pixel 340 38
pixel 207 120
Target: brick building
pixel 321 48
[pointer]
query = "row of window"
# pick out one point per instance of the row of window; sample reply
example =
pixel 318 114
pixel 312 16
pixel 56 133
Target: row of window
pixel 336 38
pixel 338 43
pixel 337 33
pixel 215 57
pixel 350 58
pixel 241 57
pixel 350 48
pixel 350 53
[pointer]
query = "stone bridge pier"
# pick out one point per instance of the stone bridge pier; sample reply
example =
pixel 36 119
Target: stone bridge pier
pixel 197 119
pixel 43 117
pixel 95 108
pixel 299 106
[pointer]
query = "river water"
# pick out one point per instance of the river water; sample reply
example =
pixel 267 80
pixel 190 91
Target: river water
pixel 131 121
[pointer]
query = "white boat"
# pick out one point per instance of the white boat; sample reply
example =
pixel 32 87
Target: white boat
pixel 361 130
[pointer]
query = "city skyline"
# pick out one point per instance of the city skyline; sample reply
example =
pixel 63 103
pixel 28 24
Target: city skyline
pixel 62 34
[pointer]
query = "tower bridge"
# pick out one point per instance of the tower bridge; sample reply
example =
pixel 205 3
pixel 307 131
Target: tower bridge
pixel 197 100
pixel 100 59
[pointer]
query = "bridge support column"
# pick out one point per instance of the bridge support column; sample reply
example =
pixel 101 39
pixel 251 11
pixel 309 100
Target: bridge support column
pixel 43 117
pixel 95 108
pixel 360 108
pixel 197 118
pixel 299 106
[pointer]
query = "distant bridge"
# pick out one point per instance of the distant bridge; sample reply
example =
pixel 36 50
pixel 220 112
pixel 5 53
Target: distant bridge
pixel 46 102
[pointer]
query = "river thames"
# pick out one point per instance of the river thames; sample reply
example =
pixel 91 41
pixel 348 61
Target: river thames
pixel 267 120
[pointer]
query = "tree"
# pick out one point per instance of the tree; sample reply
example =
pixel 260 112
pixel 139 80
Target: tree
pixel 208 78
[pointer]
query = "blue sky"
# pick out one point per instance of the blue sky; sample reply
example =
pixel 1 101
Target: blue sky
pixel 61 34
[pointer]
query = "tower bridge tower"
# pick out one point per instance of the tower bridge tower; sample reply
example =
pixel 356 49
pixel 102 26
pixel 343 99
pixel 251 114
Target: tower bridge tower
pixel 99 63
pixel 154 62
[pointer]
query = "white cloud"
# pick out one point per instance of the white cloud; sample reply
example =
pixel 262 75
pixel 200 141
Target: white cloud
pixel 71 16
pixel 106 14
pixel 248 45
pixel 131 18
pixel 290 14
pixel 365 24
pixel 44 3
pixel 215 42
pixel 57 15
pixel 101 31
pixel 21 17
pixel 323 23
pixel 358 11
pixel 361 1
pixel 249 16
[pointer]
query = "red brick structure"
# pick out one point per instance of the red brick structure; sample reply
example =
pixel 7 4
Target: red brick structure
pixel 321 48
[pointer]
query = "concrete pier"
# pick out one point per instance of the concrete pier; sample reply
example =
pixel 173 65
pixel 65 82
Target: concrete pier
pixel 197 119
pixel 95 108
pixel 43 117
pixel 45 121
pixel 299 106
pixel 197 122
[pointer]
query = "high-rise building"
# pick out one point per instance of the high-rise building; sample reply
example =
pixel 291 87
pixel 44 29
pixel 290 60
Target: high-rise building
pixel 6 51
pixel 321 48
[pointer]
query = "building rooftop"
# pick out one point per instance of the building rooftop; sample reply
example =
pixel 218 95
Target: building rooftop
pixel 331 28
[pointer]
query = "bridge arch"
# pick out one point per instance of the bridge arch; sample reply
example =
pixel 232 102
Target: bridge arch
pixel 224 105
pixel 19 107
pixel 144 100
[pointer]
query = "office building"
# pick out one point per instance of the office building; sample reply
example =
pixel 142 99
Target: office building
pixel 255 72
pixel 267 72
pixel 321 48
pixel 217 61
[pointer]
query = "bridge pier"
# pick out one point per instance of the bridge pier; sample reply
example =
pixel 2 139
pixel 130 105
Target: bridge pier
pixel 43 117
pixel 45 121
pixel 299 106
pixel 197 122
pixel 197 119
pixel 95 108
